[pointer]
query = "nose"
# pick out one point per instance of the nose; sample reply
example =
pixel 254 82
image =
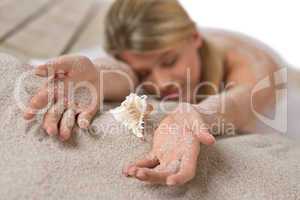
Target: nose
pixel 164 82
pixel 161 79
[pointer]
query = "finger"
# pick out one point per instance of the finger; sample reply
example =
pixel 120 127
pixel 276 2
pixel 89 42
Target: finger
pixel 66 125
pixel 152 176
pixel 85 118
pixel 37 102
pixel 52 118
pixel 59 65
pixel 186 172
pixel 147 162
pixel 204 137
pixel 49 69
pixel 42 70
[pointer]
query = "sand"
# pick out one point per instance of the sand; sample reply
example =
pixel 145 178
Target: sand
pixel 36 166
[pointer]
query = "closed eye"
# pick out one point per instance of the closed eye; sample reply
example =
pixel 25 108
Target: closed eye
pixel 168 63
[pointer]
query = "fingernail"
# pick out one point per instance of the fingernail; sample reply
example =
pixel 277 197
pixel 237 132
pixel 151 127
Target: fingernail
pixel 83 123
pixel 51 131
pixel 27 116
pixel 132 171
pixel 140 174
pixel 125 172
pixel 40 72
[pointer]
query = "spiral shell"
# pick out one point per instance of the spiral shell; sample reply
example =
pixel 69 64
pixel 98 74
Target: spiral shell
pixel 131 113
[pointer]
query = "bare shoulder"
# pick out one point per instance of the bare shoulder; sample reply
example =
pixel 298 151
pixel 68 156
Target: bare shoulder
pixel 244 53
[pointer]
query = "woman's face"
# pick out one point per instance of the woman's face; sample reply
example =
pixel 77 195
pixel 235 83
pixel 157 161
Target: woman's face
pixel 169 73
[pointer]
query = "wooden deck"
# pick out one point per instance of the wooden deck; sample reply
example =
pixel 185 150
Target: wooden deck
pixel 49 28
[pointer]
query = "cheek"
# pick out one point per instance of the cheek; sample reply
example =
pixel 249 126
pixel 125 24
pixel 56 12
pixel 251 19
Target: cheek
pixel 189 64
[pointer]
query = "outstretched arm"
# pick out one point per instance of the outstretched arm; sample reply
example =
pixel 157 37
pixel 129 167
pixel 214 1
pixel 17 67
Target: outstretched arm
pixel 117 79
pixel 65 74
pixel 233 106
pixel 176 144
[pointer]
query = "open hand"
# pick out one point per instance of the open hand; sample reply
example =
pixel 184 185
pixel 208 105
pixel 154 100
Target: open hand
pixel 175 150
pixel 62 73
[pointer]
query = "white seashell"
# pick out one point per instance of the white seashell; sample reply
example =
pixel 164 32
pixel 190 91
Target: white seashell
pixel 131 113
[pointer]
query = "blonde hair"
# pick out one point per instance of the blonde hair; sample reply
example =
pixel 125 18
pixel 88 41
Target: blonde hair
pixel 146 25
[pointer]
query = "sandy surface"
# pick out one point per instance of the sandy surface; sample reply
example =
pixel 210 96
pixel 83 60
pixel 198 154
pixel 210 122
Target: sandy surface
pixel 36 166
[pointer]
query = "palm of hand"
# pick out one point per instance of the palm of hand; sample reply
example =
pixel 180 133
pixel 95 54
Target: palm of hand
pixel 173 158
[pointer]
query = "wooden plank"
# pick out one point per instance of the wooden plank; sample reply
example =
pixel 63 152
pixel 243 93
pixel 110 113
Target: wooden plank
pixel 15 14
pixel 93 35
pixel 48 35
pixel 84 26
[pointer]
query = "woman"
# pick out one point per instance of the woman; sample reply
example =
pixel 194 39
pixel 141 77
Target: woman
pixel 155 43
